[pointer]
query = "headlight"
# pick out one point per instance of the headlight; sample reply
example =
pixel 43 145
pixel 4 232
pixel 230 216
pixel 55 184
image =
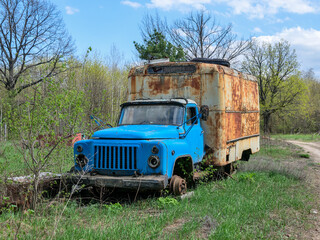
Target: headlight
pixel 153 161
pixel 82 160
pixel 155 150
pixel 79 148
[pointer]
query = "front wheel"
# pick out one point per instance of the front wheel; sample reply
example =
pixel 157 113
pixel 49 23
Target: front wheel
pixel 178 185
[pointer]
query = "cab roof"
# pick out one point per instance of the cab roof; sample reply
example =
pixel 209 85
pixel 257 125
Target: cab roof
pixel 176 101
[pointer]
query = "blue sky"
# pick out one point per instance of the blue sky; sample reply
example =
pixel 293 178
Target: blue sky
pixel 101 24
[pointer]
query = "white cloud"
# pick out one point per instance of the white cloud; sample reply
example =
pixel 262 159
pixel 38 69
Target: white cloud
pixel 131 4
pixel 71 10
pixel 306 42
pixel 257 30
pixel 261 8
pixel 178 4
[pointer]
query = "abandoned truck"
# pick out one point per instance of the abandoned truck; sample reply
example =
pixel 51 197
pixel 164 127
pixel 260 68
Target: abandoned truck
pixel 178 115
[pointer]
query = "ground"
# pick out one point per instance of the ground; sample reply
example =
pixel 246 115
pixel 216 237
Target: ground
pixel 275 195
pixel 313 178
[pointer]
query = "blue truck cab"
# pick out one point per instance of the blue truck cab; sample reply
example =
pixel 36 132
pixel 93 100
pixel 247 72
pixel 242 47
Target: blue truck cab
pixel 149 145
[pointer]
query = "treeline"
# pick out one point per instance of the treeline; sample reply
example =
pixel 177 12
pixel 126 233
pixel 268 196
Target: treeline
pixel 45 89
pixel 62 105
pixel 303 116
pixel 289 98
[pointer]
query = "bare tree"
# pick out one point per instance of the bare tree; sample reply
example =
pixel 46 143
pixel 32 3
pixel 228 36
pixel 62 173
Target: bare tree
pixel 32 35
pixel 150 23
pixel 202 37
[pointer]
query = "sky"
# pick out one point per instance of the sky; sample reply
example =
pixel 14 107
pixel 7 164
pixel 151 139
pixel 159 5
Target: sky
pixel 102 24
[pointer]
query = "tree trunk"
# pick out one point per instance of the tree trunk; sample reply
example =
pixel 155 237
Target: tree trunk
pixel 266 122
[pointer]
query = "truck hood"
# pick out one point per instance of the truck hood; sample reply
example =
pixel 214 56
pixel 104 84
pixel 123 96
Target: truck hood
pixel 139 132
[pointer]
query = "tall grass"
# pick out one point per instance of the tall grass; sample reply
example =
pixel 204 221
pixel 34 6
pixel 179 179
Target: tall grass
pixel 249 206
pixel 12 161
pixel 301 137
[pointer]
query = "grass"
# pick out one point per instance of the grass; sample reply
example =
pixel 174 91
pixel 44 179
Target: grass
pixel 12 160
pixel 276 152
pixel 262 201
pixel 250 206
pixel 300 137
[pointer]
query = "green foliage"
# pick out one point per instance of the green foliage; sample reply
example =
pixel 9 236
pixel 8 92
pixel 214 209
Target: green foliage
pixel 280 83
pixel 105 88
pixel 304 117
pixel 164 202
pixel 249 176
pixel 48 114
pixel 115 207
pixel 183 168
pixel 156 47
pixel 304 155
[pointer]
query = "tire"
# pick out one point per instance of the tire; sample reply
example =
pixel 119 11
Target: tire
pixel 178 185
pixel 217 61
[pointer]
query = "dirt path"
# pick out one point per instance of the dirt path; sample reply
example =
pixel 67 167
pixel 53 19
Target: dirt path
pixel 313 148
pixel 313 178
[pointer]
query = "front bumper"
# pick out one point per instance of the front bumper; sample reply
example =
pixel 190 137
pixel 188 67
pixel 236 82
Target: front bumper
pixel 148 182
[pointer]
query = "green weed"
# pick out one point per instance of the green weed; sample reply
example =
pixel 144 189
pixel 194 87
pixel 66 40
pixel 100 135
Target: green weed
pixel 115 207
pixel 304 155
pixel 164 202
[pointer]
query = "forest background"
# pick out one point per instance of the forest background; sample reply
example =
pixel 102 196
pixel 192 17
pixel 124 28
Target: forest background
pixel 47 90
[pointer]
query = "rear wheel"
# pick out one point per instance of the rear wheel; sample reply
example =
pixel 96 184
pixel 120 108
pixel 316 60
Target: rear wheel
pixel 230 168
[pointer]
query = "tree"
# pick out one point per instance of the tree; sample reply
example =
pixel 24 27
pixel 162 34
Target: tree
pixel 149 23
pixel 313 104
pixel 32 37
pixel 202 37
pixel 276 69
pixel 199 35
pixel 156 46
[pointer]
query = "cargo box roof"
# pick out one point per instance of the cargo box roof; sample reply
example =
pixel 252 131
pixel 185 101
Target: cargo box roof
pixel 183 68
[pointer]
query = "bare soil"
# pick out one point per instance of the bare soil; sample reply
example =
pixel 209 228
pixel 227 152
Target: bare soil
pixel 313 180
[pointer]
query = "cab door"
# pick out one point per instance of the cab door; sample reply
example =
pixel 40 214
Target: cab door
pixel 195 136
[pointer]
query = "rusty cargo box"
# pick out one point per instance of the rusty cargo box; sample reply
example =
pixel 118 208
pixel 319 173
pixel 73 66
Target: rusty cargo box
pixel 232 128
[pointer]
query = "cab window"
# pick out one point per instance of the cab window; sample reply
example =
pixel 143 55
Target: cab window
pixel 191 114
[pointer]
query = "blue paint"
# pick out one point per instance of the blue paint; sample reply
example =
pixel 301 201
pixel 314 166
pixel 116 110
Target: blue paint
pixel 125 149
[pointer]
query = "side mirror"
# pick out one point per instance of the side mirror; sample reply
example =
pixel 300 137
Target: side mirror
pixel 204 110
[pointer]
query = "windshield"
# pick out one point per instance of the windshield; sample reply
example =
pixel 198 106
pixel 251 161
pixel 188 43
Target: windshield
pixel 152 114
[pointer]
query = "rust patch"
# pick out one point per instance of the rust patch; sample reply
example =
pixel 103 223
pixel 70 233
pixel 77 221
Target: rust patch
pixel 133 84
pixel 250 124
pixel 236 94
pixel 159 85
pixel 195 83
pixel 233 125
